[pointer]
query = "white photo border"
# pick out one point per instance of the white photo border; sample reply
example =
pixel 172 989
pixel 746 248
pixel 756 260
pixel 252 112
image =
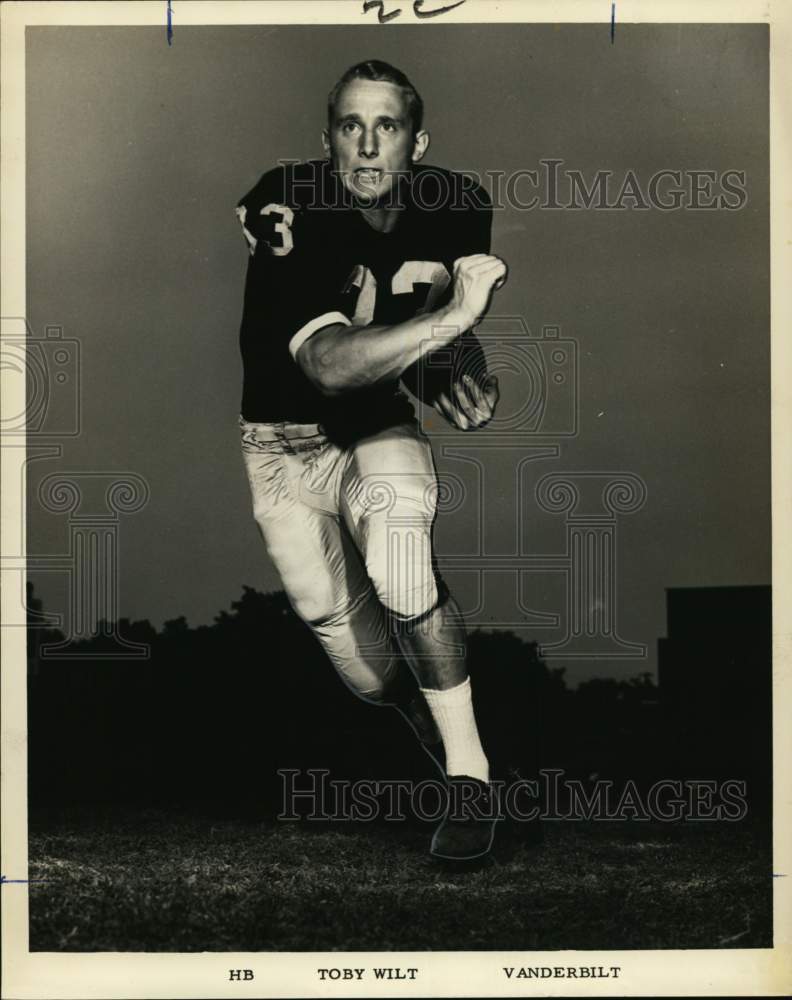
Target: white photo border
pixel 675 973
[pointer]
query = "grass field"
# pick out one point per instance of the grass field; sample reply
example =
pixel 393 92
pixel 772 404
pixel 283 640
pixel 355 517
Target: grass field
pixel 157 882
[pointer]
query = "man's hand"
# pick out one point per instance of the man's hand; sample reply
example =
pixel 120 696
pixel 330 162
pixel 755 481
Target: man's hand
pixel 475 279
pixel 471 407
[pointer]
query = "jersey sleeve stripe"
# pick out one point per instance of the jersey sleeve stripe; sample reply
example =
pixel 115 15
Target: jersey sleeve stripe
pixel 326 319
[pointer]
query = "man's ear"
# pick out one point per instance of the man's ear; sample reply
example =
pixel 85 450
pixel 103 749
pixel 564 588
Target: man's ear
pixel 420 146
pixel 326 141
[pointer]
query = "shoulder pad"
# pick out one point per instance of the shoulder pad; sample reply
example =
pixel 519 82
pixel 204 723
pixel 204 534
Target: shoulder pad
pixel 267 212
pixel 437 188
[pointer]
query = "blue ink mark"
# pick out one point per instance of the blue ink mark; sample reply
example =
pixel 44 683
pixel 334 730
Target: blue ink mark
pixel 778 876
pixel 613 22
pixel 20 881
pixel 170 23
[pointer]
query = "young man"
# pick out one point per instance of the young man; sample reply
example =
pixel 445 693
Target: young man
pixel 360 267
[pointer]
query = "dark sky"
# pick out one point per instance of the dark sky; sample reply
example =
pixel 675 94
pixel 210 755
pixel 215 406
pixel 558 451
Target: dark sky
pixel 137 154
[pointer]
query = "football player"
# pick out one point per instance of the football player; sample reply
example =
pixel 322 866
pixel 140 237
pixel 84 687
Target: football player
pixel 363 268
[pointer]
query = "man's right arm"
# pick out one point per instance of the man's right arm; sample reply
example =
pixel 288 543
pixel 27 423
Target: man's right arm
pixel 340 358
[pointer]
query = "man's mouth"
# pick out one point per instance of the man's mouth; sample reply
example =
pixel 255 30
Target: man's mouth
pixel 368 175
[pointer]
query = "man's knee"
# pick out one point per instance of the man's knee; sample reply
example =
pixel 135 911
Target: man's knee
pixel 311 593
pixel 409 608
pixel 370 678
pixel 406 601
pixel 400 566
pixel 314 605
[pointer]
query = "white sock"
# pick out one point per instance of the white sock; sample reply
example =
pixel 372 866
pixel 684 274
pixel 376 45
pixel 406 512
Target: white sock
pixel 452 710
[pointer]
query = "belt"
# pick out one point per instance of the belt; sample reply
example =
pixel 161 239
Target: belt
pixel 283 431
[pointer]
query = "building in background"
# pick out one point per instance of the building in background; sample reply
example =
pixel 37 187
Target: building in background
pixel 715 679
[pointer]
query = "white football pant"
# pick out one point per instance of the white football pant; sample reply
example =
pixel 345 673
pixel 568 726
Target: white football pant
pixel 349 530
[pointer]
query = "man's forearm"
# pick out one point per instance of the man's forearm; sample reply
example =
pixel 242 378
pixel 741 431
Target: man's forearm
pixel 340 358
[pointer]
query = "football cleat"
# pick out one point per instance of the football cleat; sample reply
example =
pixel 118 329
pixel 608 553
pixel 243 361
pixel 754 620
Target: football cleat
pixel 468 827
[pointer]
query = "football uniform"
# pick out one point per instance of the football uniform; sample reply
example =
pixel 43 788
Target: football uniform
pixel 314 260
pixel 344 488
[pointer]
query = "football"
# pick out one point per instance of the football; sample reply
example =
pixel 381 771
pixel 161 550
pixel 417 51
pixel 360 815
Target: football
pixel 438 371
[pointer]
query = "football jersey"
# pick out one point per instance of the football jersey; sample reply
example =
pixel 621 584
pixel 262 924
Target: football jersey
pixel 315 261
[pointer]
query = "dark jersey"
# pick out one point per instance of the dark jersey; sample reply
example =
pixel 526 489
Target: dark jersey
pixel 315 261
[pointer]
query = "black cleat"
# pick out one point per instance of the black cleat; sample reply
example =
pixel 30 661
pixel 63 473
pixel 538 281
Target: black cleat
pixel 468 827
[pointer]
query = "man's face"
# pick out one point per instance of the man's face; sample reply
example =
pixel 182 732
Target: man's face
pixel 370 140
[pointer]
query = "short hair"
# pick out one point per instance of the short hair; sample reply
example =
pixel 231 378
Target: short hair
pixel 376 69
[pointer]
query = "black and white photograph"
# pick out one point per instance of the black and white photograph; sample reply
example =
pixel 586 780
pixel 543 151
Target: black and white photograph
pixel 395 567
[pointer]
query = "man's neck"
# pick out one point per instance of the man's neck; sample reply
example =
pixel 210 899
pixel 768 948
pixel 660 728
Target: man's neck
pixel 384 220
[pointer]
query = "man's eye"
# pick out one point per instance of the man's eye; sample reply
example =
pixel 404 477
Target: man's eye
pixel 349 127
pixel 388 127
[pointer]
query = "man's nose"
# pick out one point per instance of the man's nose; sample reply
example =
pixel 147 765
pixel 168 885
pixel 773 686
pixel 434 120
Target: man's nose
pixel 368 144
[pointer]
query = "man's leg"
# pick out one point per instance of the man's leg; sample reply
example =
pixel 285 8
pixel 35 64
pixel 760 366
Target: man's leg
pixel 390 489
pixel 295 505
pixel 434 645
